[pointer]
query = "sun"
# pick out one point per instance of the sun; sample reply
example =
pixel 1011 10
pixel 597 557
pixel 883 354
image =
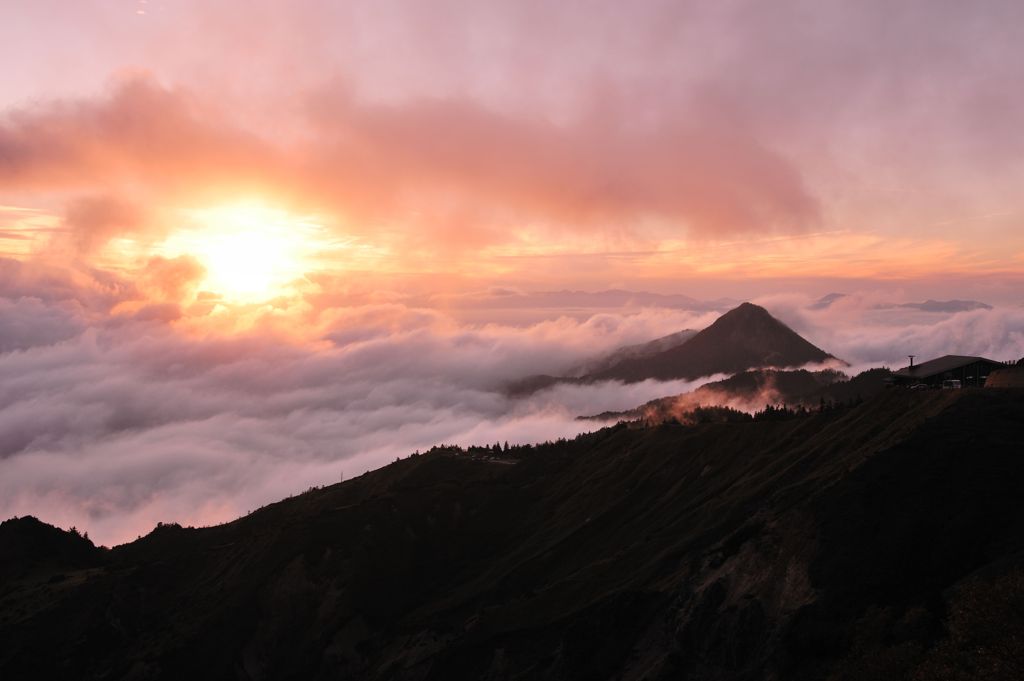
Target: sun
pixel 251 252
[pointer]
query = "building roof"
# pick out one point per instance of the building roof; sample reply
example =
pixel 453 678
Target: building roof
pixel 940 365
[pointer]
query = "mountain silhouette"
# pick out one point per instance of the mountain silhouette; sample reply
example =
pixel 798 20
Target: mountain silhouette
pixel 746 337
pixel 639 351
pixel 795 388
pixel 826 301
pixel 883 541
pixel 27 545
pixel 948 306
pixel 583 372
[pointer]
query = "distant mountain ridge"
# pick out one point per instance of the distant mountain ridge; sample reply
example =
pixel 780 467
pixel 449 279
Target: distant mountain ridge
pixel 826 301
pixel 947 306
pixel 942 306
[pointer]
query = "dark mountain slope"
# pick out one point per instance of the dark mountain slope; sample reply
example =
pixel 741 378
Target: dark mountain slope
pixel 28 545
pixel 579 374
pixel 759 387
pixel 876 542
pixel 744 338
pixel 800 386
pixel 638 351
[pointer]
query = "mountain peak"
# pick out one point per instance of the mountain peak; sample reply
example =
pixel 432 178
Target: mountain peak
pixel 746 337
pixel 745 310
pixel 748 316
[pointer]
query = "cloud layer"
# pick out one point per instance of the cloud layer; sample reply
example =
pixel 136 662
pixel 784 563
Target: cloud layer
pixel 525 128
pixel 117 414
pixel 115 422
pixel 455 159
pixel 445 169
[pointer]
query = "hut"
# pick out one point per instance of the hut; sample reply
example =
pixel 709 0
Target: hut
pixel 966 370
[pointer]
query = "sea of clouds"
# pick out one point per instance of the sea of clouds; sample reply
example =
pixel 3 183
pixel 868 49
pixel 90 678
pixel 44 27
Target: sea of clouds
pixel 434 136
pixel 113 421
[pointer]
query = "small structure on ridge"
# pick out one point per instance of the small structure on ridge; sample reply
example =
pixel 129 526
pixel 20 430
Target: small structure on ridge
pixel 969 371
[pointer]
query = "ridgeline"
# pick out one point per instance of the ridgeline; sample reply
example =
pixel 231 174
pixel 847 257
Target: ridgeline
pixel 881 541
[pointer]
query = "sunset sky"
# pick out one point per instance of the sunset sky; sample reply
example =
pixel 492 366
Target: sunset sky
pixel 248 246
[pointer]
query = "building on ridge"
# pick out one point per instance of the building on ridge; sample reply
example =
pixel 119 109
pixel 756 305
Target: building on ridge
pixel 969 371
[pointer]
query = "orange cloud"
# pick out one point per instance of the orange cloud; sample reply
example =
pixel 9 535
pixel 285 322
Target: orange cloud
pixel 92 220
pixel 434 155
pixel 441 173
pixel 449 185
pixel 140 136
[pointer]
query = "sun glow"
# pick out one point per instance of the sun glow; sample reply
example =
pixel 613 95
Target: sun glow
pixel 251 252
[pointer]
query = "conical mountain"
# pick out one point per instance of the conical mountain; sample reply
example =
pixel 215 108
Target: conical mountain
pixel 746 337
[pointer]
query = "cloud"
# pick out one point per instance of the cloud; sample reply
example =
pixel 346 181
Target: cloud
pixel 578 140
pixel 138 132
pixel 115 422
pixel 886 137
pixel 96 291
pixel 430 168
pixel 170 278
pixel 439 153
pixel 871 329
pixel 29 322
pixel 93 220
pixel 119 411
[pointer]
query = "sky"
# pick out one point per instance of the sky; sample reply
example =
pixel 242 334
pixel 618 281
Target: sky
pixel 248 247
